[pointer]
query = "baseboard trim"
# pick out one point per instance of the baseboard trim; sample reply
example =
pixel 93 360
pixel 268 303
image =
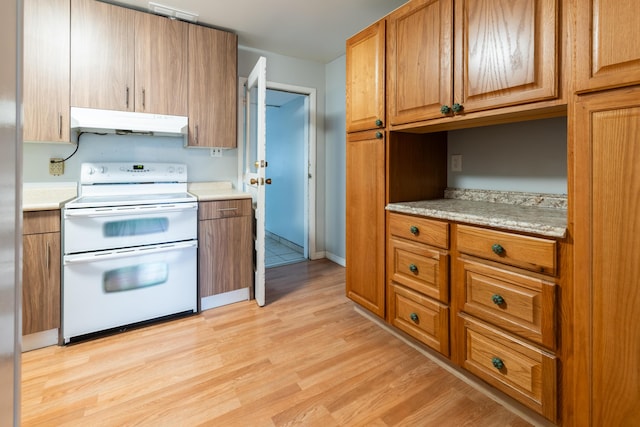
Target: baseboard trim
pixel 219 300
pixel 338 260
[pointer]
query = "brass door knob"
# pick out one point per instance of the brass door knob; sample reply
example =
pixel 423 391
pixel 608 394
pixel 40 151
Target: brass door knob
pixel 267 181
pixel 253 181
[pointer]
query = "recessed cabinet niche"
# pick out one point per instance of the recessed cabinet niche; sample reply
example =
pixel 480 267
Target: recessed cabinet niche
pixel 126 60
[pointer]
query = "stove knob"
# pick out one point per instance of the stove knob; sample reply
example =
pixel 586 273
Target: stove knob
pixel 171 169
pixel 180 169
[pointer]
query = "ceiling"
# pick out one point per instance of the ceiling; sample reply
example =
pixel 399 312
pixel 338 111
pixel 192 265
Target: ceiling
pixel 309 29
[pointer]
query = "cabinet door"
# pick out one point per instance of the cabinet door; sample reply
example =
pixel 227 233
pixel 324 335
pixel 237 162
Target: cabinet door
pixel 505 52
pixel 365 220
pixel 420 57
pixel 46 70
pixel 607 225
pixel 225 255
pixel 366 79
pixel 213 87
pixel 160 64
pixel 607 44
pixel 102 56
pixel 40 282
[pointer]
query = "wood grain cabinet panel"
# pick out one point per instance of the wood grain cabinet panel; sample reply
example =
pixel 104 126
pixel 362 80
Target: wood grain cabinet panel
pixel 365 90
pixel 607 44
pixel 607 297
pixel 213 87
pixel 365 220
pixel 46 70
pixel 41 273
pixel 225 246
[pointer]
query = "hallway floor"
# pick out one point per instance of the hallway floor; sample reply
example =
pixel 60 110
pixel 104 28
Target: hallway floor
pixel 279 251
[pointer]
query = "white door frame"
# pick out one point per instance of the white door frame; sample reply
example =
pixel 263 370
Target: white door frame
pixel 310 157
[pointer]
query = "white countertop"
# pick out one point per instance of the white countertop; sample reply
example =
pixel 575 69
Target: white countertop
pixel 216 190
pixel 42 196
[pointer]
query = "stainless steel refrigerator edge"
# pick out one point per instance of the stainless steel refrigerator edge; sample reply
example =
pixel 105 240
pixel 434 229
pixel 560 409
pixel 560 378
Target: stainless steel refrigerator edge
pixel 10 210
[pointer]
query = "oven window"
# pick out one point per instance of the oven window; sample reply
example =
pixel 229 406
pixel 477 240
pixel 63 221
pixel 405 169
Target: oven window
pixel 135 227
pixel 135 277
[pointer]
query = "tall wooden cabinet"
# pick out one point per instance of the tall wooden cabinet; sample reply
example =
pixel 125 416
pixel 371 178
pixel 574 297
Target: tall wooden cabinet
pixel 365 219
pixel 126 60
pixel 213 88
pixel 365 89
pixel 607 296
pixel 41 271
pixel 46 70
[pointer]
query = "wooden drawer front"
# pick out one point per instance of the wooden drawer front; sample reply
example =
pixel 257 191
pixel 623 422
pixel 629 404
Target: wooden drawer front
pixel 34 222
pixel 420 268
pixel 531 253
pixel 224 209
pixel 522 371
pixel 421 317
pixel 520 304
pixel 422 230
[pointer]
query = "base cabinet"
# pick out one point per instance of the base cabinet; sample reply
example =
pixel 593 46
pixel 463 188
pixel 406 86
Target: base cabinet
pixel 224 246
pixel 41 271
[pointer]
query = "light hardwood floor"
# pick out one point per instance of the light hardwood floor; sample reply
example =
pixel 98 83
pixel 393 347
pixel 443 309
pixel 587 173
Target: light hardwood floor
pixel 306 358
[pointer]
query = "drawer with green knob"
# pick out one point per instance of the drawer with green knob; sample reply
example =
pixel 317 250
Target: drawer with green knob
pixel 421 317
pixel 531 253
pixel 419 267
pixel 515 302
pixel 519 369
pixel 421 230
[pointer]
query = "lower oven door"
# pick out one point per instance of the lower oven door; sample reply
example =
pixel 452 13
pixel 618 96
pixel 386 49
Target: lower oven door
pixel 94 229
pixel 109 289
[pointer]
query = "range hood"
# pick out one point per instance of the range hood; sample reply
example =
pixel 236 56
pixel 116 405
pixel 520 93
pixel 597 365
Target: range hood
pixel 125 122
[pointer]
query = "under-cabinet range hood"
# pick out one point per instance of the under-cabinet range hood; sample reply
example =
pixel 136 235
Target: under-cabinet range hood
pixel 125 122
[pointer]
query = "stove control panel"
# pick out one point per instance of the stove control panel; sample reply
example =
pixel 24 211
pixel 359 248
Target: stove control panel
pixel 123 173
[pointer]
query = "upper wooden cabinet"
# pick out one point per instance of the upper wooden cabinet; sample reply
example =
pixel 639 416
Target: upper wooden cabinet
pixel 46 70
pixel 366 79
pixel 127 60
pixel 497 54
pixel 607 44
pixel 213 87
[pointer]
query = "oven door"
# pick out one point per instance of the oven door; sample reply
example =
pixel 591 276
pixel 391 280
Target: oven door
pixel 109 289
pixel 94 229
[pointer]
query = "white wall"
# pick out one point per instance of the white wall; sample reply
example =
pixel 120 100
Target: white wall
pixel 335 131
pixel 286 144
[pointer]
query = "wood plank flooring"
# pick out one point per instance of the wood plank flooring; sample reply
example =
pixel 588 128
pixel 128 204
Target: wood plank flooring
pixel 306 358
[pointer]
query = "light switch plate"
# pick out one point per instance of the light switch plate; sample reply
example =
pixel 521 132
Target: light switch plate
pixel 456 163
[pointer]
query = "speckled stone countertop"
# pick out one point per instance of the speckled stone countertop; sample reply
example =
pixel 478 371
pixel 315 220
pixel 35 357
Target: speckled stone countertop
pixel 543 214
pixel 216 190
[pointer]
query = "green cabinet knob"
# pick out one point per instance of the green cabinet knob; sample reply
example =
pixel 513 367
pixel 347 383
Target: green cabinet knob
pixel 414 317
pixel 497 299
pixel 413 268
pixel 445 109
pixel 497 363
pixel 378 122
pixel 414 230
pixel 457 108
pixel 379 135
pixel 497 249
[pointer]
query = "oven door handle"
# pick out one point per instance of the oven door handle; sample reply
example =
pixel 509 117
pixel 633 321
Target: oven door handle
pixel 96 213
pixel 127 252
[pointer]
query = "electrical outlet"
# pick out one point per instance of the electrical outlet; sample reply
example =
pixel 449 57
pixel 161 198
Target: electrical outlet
pixel 456 163
pixel 56 166
pixel 216 152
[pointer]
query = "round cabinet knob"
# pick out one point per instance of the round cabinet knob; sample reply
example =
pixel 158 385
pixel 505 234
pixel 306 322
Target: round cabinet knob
pixel 414 230
pixel 497 363
pixel 445 109
pixel 378 122
pixel 497 249
pixel 414 317
pixel 413 268
pixel 379 135
pixel 457 108
pixel 497 299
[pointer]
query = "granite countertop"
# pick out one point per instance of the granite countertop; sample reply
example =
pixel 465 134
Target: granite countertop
pixel 543 214
pixel 217 190
pixel 44 196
